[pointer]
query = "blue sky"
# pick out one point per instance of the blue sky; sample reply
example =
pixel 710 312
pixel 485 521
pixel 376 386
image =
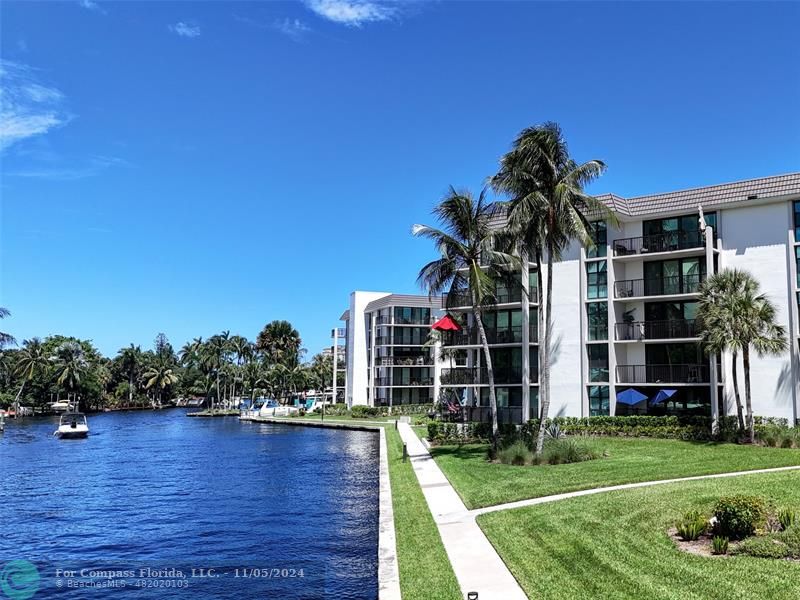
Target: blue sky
pixel 191 167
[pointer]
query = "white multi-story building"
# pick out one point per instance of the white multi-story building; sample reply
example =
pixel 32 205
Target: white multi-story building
pixel 623 314
pixel 390 358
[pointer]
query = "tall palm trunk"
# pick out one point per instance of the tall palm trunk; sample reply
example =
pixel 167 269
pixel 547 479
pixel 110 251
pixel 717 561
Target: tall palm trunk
pixel 747 397
pixel 130 389
pixel 490 372
pixel 736 393
pixel 544 382
pixel 212 398
pixel 16 400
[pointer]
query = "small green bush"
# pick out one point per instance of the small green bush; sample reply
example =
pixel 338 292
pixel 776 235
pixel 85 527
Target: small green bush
pixel 739 516
pixel 786 441
pixel 787 518
pixel 719 545
pixel 691 526
pixel 565 450
pixel 767 546
pixel 517 454
pixel 364 412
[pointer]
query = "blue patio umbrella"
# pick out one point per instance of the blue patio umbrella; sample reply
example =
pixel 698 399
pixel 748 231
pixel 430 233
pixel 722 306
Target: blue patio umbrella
pixel 630 397
pixel 664 395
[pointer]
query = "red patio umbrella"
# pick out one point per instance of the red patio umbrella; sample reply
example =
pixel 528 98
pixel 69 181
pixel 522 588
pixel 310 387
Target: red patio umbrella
pixel 446 323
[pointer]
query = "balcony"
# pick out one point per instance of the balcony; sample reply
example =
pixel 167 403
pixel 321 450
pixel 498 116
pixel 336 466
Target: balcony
pixel 471 337
pixel 662 374
pixel 639 331
pixel 664 242
pixel 665 286
pixel 464 300
pixel 389 340
pixel 403 361
pixel 413 382
pixel 480 376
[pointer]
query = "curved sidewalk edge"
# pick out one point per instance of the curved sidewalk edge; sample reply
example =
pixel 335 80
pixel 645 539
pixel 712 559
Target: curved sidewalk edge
pixel 475 562
pixel 613 488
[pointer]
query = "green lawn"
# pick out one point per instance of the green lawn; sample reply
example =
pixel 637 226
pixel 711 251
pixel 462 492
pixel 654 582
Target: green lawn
pixel 481 483
pixel 425 570
pixel 614 545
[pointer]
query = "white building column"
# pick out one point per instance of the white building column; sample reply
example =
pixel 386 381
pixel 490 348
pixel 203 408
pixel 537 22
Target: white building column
pixel 335 336
pixel 712 361
pixel 526 342
pixel 372 333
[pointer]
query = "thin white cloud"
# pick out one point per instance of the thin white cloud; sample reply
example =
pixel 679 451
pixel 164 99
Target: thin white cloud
pixel 189 30
pixel 27 107
pixel 293 28
pixel 91 5
pixel 89 168
pixel 353 13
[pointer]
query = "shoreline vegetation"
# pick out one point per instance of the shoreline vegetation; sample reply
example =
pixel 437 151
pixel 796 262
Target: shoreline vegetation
pixel 215 372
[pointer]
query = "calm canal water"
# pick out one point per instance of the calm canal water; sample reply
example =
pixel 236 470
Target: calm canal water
pixel 276 511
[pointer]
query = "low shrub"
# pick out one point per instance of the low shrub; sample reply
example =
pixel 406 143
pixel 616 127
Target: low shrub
pixel 517 454
pixel 739 516
pixel 719 545
pixel 691 526
pixel 766 546
pixel 565 450
pixel 787 518
pixel 363 412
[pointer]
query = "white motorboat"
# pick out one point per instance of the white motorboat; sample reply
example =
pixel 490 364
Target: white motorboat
pixel 61 406
pixel 72 425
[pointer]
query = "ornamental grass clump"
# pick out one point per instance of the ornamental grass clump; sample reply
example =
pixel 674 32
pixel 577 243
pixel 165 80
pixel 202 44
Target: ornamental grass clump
pixel 517 454
pixel 719 545
pixel 787 518
pixel 691 526
pixel 566 450
pixel 737 517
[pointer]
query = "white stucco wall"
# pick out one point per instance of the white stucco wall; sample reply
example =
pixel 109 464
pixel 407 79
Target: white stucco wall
pixel 567 344
pixel 357 367
pixel 755 239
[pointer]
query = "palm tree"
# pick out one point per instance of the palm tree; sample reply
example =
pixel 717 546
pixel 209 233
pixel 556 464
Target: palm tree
pixel 71 364
pixel 469 263
pixel 212 357
pixel 733 316
pixel 6 339
pixel 31 360
pixel 160 376
pixel 280 343
pixel 253 374
pixel 130 359
pixel 547 210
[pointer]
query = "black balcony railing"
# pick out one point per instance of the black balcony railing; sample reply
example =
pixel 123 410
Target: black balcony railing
pixel 662 374
pixel 413 381
pixel 403 361
pixel 480 376
pixel 464 299
pixel 384 320
pixel 400 340
pixel 657 330
pixel 662 242
pixel 471 337
pixel 665 286
pixel 413 321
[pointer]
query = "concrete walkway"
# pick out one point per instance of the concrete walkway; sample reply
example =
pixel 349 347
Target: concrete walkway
pixel 475 562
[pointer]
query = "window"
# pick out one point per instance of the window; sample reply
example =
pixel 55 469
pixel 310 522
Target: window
pixel 405 315
pixel 598 400
pixel 675 233
pixel 797 221
pixel 598 362
pixel 534 402
pixel 797 261
pixel 597 318
pixel 600 237
pixel 596 280
pixel 503 326
pixel 674 276
pixel 533 285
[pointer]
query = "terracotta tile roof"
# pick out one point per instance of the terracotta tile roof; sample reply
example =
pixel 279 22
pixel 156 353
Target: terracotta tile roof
pixel 713 195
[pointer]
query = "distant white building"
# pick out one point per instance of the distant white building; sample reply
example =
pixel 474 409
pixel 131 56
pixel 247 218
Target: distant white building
pixel 623 316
